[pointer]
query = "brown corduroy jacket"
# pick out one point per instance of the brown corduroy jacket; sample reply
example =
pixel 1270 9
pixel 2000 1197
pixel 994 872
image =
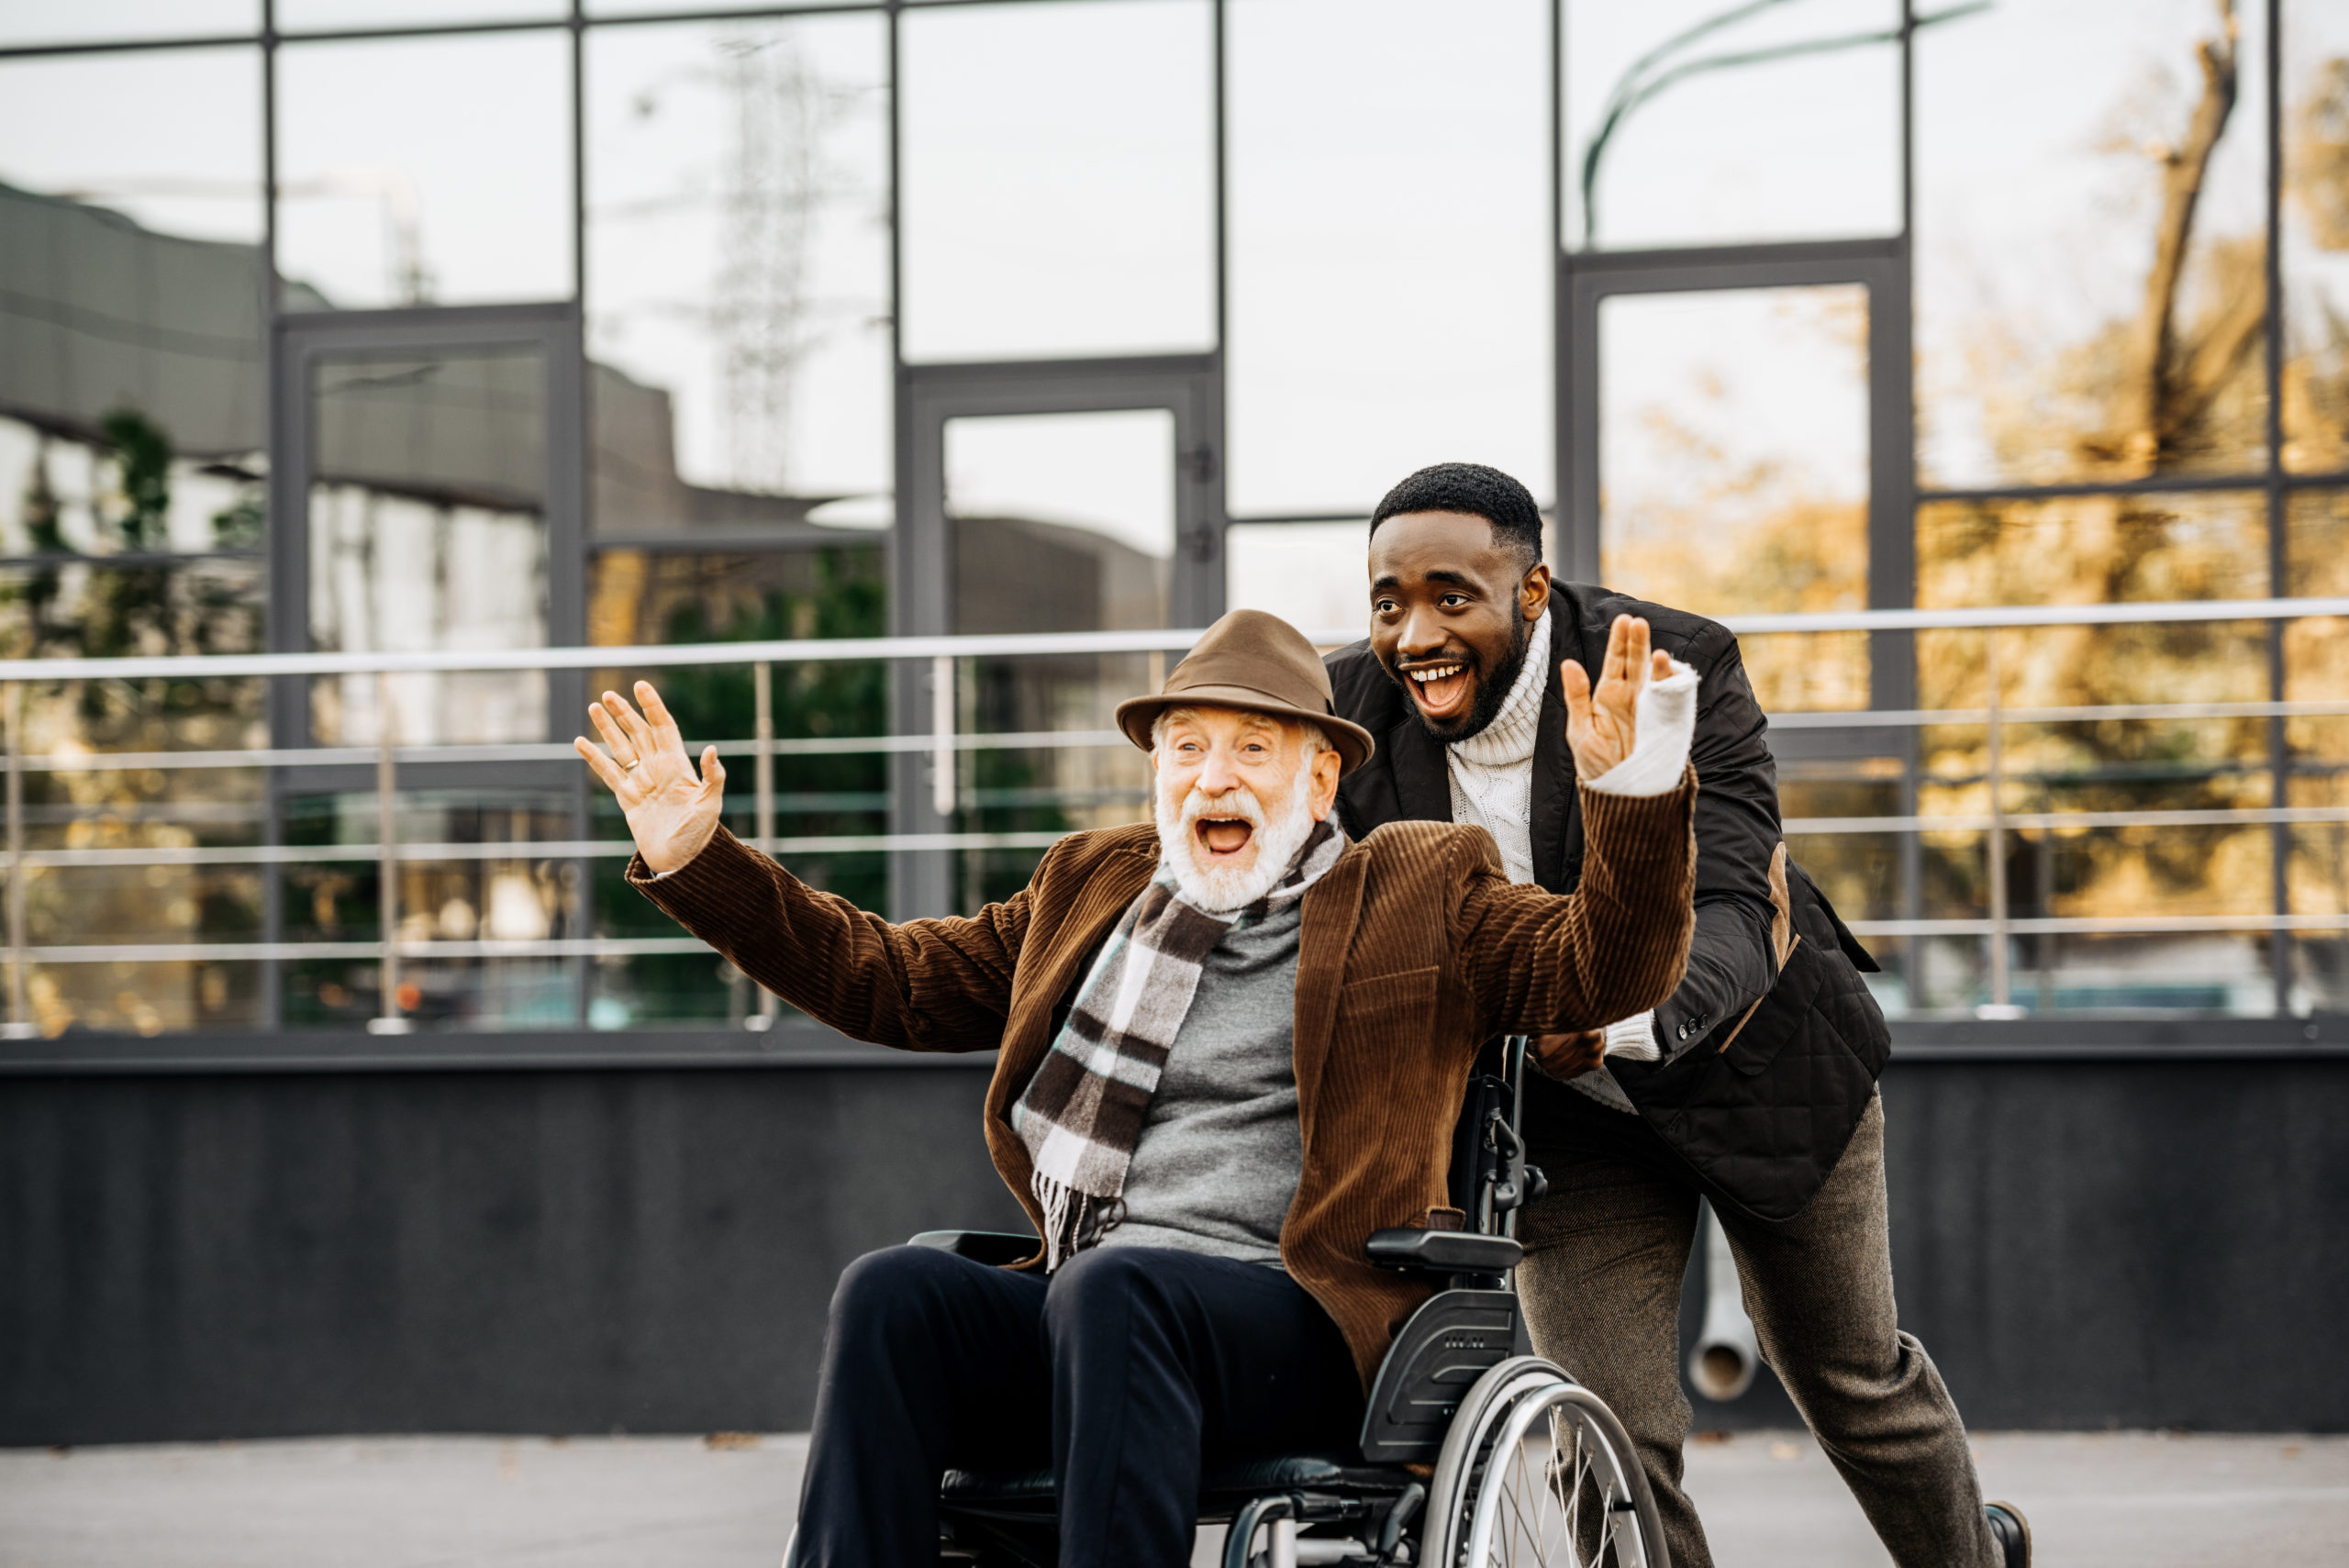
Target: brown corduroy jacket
pixel 1414 950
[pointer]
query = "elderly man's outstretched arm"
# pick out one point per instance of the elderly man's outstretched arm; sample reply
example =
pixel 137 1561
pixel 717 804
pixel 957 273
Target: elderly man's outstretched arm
pixel 924 986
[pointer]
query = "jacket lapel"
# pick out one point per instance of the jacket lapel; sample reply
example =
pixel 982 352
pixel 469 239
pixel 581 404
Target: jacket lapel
pixel 1326 931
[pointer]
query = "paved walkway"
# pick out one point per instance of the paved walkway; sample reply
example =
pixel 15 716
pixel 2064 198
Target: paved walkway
pixel 2141 1500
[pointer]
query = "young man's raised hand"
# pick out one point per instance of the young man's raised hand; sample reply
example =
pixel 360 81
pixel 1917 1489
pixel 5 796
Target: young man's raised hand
pixel 1601 725
pixel 672 811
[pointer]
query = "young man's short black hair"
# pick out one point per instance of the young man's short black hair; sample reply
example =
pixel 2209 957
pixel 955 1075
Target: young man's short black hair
pixel 1482 492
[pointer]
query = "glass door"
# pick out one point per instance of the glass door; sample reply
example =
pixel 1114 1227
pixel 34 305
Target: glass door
pixel 1078 497
pixel 434 492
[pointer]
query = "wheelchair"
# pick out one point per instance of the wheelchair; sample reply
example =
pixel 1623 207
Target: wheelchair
pixel 1473 1452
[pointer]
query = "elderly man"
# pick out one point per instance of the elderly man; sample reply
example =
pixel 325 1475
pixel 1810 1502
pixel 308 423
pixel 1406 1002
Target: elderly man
pixel 1232 1044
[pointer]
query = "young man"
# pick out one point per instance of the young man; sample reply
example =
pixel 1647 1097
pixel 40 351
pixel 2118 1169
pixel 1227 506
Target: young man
pixel 1753 1084
pixel 1232 1045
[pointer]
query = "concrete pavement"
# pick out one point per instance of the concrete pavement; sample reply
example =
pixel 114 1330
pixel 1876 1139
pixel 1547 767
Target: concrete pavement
pixel 1771 1500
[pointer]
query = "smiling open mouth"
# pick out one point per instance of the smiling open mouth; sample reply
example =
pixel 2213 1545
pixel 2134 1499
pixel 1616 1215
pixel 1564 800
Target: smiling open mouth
pixel 1440 690
pixel 1223 837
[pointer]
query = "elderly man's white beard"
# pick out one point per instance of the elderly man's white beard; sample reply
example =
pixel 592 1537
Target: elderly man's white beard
pixel 1220 890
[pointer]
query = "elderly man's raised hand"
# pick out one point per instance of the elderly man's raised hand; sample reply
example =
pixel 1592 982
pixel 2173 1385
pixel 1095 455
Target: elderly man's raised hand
pixel 672 811
pixel 1601 725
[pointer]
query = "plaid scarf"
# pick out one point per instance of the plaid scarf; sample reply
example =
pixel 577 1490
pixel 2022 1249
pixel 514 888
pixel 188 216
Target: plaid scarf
pixel 1082 1114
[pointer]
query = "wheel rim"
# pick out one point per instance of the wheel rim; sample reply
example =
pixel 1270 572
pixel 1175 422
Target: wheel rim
pixel 1553 1490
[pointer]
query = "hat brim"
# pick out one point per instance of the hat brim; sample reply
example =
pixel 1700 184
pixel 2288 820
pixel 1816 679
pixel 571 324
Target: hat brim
pixel 1354 744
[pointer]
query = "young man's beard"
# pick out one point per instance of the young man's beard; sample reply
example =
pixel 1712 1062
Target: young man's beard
pixel 1278 833
pixel 1492 689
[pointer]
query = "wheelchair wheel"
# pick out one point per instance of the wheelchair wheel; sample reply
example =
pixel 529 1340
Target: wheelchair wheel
pixel 1537 1473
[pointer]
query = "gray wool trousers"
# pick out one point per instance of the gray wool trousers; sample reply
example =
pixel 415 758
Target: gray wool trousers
pixel 1605 1255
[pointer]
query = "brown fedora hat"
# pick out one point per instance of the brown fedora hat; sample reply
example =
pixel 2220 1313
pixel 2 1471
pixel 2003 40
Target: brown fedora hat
pixel 1257 663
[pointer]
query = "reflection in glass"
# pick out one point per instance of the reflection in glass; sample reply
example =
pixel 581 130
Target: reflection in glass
pixel 1694 122
pixel 1059 180
pixel 1734 461
pixel 117 21
pixel 816 588
pixel 425 172
pixel 1061 522
pixel 737 271
pixel 129 293
pixel 1316 576
pixel 515 897
pixel 1390 267
pixel 72 603
pixel 2090 259
pixel 428 530
pixel 2315 236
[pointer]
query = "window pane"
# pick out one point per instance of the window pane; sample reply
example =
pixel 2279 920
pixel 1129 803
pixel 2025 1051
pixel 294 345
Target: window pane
pixel 1063 522
pixel 2316 237
pixel 428 530
pixel 322 16
pixel 833 588
pixel 99 21
pixel 1733 464
pixel 1391 261
pixel 130 299
pixel 737 271
pixel 432 170
pixel 2054 342
pixel 1784 124
pixel 2101 549
pixel 73 605
pixel 1059 180
pixel 515 897
pixel 1314 576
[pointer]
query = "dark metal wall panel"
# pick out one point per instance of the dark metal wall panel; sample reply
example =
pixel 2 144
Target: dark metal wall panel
pixel 2079 1244
pixel 194 1257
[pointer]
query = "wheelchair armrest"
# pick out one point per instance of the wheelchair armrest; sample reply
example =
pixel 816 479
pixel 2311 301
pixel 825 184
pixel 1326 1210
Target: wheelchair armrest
pixel 997 1247
pixel 1444 1251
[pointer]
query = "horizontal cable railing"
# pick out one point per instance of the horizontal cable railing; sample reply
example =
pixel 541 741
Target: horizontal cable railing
pixel 943 743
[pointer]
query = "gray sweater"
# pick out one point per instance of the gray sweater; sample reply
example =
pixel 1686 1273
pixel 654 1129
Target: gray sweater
pixel 1220 1153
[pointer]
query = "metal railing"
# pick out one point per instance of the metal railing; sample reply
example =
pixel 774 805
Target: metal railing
pixel 942 744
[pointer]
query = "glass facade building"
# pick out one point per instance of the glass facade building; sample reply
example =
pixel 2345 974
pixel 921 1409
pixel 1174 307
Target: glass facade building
pixel 384 325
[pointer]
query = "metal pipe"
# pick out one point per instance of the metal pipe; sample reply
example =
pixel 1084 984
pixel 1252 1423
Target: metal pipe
pixel 763 734
pixel 1042 644
pixel 1999 980
pixel 387 864
pixel 941 729
pixel 20 1014
pixel 1727 1354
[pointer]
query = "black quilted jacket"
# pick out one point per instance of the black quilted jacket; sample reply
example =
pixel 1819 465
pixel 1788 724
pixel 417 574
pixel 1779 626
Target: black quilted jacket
pixel 1768 1066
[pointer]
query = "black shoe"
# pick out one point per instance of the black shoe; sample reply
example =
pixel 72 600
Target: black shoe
pixel 2011 1531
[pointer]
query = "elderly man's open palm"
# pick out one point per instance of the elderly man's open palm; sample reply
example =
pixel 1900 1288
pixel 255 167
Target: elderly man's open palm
pixel 1601 725
pixel 672 811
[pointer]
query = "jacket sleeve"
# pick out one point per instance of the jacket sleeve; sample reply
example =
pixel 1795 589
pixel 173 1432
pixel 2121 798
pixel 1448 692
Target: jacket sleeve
pixel 1538 963
pixel 924 986
pixel 1730 956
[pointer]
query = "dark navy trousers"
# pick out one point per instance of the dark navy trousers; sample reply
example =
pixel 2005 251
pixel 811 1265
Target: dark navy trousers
pixel 1120 1371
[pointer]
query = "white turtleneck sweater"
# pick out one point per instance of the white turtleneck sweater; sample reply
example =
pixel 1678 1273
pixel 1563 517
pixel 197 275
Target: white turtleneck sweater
pixel 1492 788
